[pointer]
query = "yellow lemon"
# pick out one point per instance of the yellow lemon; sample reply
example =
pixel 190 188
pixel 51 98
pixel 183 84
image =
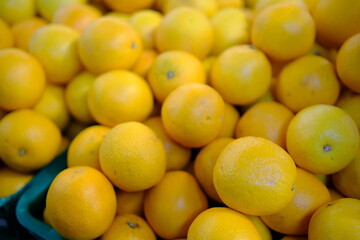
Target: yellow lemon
pixel 254 176
pixel 283 31
pixel 109 43
pixel 47 8
pixel 322 139
pixel 80 203
pixel 12 181
pixel 193 114
pixel 52 105
pixel 55 46
pixel 180 30
pixel 28 140
pixel 128 6
pixel 22 79
pixel 339 219
pixel 17 10
pixel 129 227
pixel 132 157
pixel 172 69
pixel 118 96
pixel 76 94
pixel 241 74
pixel 219 222
pixel 84 148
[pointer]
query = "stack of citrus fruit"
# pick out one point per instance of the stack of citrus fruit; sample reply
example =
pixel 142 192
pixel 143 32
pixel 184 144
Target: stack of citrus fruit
pixel 197 119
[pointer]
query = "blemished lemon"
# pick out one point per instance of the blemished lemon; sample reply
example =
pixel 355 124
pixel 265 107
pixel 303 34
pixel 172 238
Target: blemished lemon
pixel 80 203
pixel 218 222
pixel 22 79
pixel 255 176
pixel 132 156
pixel 322 139
pixel 28 140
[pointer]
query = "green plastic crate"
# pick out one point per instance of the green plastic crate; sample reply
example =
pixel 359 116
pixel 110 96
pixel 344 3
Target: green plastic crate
pixel 29 209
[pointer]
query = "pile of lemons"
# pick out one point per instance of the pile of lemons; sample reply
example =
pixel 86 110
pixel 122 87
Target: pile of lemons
pixel 196 119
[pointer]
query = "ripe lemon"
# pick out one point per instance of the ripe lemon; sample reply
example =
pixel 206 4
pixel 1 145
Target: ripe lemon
pixel 283 31
pixel 132 156
pixel 193 114
pixel 28 140
pixel 254 176
pixel 204 165
pixel 119 96
pixel 322 139
pixel 331 16
pixel 55 46
pixel 52 105
pixel 145 22
pixel 262 4
pixel 208 7
pixel 17 10
pixel 263 230
pixel 109 43
pixel 24 29
pixel 307 81
pixel 231 27
pixel 84 148
pixel 177 156
pixel 335 194
pixel 347 181
pixel 265 119
pixel 22 79
pixel 12 181
pixel 130 202
pixel 47 8
pixel 77 16
pixel 80 203
pixel 180 30
pixel 172 205
pixel 7 38
pixel 241 74
pixel 129 227
pixel 339 219
pixel 294 238
pixel 128 6
pixel 144 63
pixel 172 69
pixel 310 194
pixel 76 94
pixel 346 61
pixel 222 223
pixel 350 103
pixel 231 4
pixel 231 118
